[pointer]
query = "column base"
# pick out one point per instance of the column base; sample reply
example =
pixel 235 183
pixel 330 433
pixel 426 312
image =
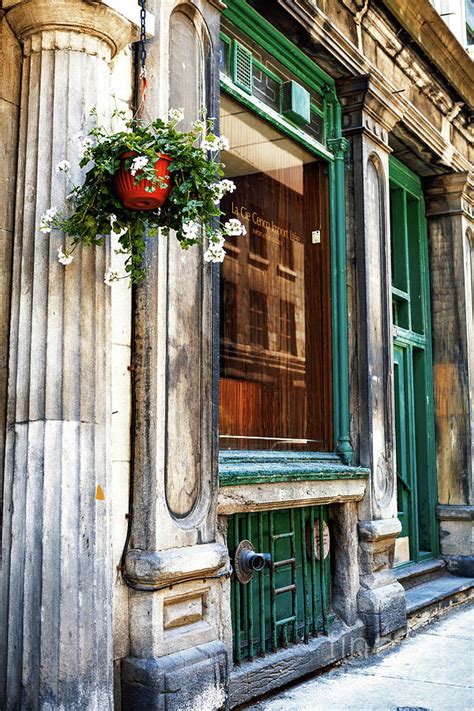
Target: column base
pixel 381 598
pixel 193 679
pixel 383 611
pixel 456 540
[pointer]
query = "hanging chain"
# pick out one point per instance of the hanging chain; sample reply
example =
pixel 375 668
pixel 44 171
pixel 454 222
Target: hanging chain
pixel 142 37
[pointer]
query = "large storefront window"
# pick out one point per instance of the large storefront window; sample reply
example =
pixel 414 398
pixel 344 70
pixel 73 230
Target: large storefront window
pixel 276 377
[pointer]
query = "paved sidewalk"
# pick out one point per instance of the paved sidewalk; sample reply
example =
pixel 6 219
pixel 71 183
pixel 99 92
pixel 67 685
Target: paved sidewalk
pixel 432 669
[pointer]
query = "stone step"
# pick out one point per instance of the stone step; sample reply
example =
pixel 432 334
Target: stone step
pixel 417 573
pixel 429 600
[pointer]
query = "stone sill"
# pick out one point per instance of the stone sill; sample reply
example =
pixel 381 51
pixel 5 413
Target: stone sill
pixel 260 481
pixel 263 467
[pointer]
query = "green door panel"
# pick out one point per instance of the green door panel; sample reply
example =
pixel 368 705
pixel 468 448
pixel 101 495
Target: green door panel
pixel 288 601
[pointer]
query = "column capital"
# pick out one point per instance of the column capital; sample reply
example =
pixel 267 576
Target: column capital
pixel 70 24
pixel 338 146
pixel 368 107
pixel 450 194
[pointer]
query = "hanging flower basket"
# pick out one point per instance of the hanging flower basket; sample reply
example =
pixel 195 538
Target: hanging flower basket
pixel 146 177
pixel 142 195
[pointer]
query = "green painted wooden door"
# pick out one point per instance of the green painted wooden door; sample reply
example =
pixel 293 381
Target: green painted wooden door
pixel 288 601
pixel 413 377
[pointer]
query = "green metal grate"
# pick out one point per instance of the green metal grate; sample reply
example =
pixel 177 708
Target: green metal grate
pixel 289 601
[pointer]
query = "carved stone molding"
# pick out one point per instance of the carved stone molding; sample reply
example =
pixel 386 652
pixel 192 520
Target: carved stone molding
pixel 450 194
pixel 339 51
pixel 368 105
pixel 72 24
pixel 175 564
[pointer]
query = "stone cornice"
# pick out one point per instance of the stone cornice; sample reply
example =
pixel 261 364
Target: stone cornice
pixel 353 62
pixel 113 22
pixel 437 41
pixel 369 107
pixel 451 194
pixel 415 70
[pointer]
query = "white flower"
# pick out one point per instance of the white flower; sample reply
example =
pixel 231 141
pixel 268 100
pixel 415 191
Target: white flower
pixel 47 220
pixel 224 143
pixel 228 186
pixel 137 164
pixel 234 228
pixel 215 143
pixel 218 239
pixel 211 143
pixel 110 276
pixel 214 253
pixel 176 115
pixel 199 126
pixel 112 219
pixel 64 257
pixel 221 188
pixel 190 229
pixel 63 166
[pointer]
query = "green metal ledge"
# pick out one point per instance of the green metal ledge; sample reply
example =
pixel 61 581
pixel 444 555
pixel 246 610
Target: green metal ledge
pixel 263 467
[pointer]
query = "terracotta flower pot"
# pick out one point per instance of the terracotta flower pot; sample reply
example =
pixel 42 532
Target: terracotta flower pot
pixel 136 197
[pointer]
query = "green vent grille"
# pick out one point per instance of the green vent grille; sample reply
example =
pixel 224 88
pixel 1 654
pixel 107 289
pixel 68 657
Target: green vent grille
pixel 242 67
pixel 296 103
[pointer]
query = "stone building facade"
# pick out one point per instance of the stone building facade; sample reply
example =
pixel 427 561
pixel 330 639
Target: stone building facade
pixel 313 398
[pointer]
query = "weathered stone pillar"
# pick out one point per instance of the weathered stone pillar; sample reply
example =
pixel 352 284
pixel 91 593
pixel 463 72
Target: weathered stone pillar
pixel 177 659
pixel 9 118
pixel 449 202
pixel 369 114
pixel 56 642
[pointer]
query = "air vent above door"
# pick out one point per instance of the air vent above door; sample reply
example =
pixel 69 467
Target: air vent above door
pixel 242 67
pixel 295 103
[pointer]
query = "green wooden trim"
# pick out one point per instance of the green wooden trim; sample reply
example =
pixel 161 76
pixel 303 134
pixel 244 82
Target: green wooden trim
pixel 276 119
pixel 405 178
pixel 399 294
pixel 258 455
pixel 239 13
pixel 429 386
pixel 267 71
pixel 317 110
pixel 339 300
pixel 405 337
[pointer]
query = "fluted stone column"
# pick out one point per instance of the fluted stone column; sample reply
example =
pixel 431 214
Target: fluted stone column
pixel 56 642
pixel 450 212
pixel 369 114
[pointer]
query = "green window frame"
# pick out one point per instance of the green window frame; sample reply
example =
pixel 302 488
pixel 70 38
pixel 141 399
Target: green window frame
pixel 332 150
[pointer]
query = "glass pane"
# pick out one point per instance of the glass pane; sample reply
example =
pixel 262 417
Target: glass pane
pixel 275 307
